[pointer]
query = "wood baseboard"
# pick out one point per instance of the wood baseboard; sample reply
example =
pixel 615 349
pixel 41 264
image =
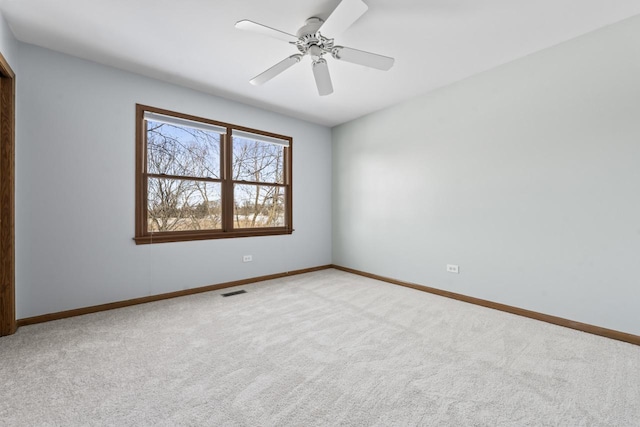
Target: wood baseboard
pixel 119 304
pixel 584 327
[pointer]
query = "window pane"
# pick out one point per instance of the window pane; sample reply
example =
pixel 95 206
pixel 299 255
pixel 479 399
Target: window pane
pixel 181 205
pixel 257 161
pixel 182 151
pixel 258 206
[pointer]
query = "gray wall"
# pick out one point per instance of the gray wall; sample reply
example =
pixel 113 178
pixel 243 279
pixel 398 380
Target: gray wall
pixel 75 190
pixel 7 44
pixel 526 176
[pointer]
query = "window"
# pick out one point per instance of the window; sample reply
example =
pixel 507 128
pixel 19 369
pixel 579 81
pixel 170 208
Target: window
pixel 201 179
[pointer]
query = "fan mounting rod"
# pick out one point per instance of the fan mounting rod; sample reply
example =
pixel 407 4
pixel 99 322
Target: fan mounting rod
pixel 311 26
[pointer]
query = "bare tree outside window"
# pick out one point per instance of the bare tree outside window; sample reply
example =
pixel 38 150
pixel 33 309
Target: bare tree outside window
pixel 257 164
pixel 180 203
pixel 200 179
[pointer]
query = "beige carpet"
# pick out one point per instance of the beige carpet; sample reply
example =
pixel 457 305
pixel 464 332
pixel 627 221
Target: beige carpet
pixel 321 349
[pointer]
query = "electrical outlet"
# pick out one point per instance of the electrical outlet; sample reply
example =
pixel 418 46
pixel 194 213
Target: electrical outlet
pixel 247 258
pixel 451 268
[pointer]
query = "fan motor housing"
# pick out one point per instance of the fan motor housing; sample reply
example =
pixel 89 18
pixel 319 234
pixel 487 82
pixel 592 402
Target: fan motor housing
pixel 311 41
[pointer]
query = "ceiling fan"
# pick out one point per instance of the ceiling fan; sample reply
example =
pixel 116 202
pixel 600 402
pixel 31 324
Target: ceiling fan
pixel 310 41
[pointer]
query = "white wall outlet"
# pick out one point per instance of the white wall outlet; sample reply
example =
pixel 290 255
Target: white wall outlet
pixel 247 258
pixel 451 268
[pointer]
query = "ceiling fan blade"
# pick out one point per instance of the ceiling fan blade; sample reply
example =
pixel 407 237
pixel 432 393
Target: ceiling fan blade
pixel 345 14
pixel 264 30
pixel 322 76
pixel 275 70
pixel 361 57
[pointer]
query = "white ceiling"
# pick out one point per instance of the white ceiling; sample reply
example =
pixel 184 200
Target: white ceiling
pixel 194 43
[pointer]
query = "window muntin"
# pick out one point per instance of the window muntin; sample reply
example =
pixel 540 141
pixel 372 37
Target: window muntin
pixel 200 179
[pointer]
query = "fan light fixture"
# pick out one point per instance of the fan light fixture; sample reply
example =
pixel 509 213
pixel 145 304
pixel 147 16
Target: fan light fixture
pixel 310 41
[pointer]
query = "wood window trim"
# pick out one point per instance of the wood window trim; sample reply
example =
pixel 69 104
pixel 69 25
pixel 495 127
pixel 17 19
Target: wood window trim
pixel 7 199
pixel 142 236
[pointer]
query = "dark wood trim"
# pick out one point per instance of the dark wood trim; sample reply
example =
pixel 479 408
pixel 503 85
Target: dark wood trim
pixel 7 199
pixel 227 184
pixel 260 132
pixel 182 178
pixel 164 112
pixel 141 167
pixel 288 180
pixel 261 184
pixel 583 327
pixel 185 236
pixel 119 304
pixel 227 230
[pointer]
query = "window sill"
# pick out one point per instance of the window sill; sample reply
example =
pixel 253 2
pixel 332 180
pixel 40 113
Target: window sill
pixel 189 236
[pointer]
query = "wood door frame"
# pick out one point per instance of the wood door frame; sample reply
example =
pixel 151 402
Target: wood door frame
pixel 7 199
